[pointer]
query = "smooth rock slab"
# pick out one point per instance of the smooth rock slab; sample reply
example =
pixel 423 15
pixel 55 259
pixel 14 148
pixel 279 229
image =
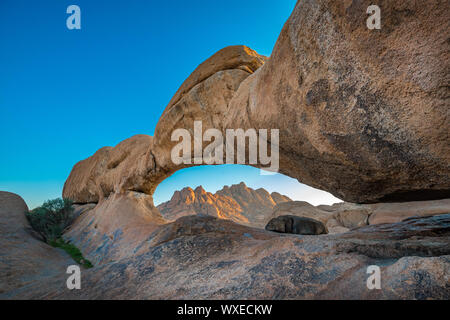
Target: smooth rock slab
pixel 209 258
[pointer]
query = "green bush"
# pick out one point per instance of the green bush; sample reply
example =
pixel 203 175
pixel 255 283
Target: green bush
pixel 51 219
pixel 73 251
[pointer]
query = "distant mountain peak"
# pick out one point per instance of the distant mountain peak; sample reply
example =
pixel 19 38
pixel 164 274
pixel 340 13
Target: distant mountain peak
pixel 237 202
pixel 199 189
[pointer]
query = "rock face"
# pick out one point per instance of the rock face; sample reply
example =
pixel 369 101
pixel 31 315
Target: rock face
pixel 396 212
pixel 296 225
pixel 238 203
pixel 27 265
pixel 363 114
pixel 355 215
pixel 257 204
pixel 202 257
pixel 341 217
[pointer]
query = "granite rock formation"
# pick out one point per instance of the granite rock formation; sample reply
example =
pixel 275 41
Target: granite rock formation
pixel 350 122
pixel 363 114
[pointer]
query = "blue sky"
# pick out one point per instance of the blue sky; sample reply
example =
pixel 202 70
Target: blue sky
pixel 66 93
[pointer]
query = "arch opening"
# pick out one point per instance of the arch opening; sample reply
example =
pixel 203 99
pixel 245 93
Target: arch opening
pixel 233 192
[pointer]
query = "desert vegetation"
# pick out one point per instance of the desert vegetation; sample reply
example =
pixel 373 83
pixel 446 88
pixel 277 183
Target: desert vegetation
pixel 50 221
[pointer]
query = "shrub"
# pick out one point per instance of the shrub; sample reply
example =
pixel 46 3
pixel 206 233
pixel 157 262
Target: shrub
pixel 73 251
pixel 51 219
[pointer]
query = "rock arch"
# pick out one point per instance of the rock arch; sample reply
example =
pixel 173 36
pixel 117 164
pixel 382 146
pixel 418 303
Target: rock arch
pixel 349 123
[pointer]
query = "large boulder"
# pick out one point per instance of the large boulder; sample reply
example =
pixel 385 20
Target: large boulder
pixel 363 114
pixel 296 225
pixel 113 228
pixel 300 209
pixel 126 167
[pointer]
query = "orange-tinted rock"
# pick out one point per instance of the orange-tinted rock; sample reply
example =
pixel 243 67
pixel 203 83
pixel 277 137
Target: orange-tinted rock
pixel 238 203
pixel 141 162
pixel 232 57
pixel 192 202
pixel 128 166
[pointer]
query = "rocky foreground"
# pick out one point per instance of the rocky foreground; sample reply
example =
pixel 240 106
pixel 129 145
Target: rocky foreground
pixel 362 114
pixel 199 257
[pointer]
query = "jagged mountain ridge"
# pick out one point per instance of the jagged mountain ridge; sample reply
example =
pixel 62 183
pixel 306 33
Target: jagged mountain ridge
pixel 238 203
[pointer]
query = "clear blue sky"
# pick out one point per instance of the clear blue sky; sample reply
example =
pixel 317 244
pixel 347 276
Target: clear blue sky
pixel 66 93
